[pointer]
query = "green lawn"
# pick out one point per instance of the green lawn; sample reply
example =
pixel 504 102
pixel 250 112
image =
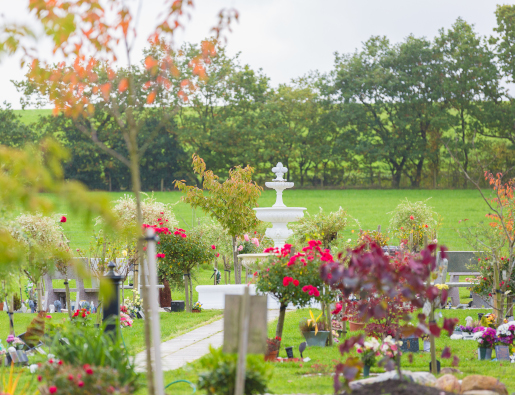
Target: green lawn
pixel 314 377
pixel 369 207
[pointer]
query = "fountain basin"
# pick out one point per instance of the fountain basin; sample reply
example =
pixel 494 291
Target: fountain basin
pixel 253 261
pixel 279 214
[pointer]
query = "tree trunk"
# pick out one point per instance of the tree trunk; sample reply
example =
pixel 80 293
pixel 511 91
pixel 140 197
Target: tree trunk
pixel 186 301
pixel 40 296
pixel 68 299
pixel 237 277
pixel 191 292
pixel 280 323
pixel 165 294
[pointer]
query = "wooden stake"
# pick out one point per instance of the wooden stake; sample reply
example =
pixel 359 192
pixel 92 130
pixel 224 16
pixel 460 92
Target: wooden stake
pixel 243 343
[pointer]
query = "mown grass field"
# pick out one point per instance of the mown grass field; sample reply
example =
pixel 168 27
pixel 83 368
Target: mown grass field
pixel 369 207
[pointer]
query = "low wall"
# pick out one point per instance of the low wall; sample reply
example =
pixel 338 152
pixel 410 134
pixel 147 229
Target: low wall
pixel 213 296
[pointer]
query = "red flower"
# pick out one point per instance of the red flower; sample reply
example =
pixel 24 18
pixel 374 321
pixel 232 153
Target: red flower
pixel 217 254
pixel 52 389
pixel 183 235
pixel 277 338
pixel 80 384
pixel 255 273
pixel 425 226
pixel 411 217
pixel 70 377
pixel 50 361
pixel 63 219
pixel 89 371
pixel 213 247
pixel 337 309
pixel 287 281
pixel 60 362
pixel 296 283
pixel 40 378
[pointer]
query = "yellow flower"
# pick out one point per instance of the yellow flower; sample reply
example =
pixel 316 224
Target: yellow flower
pixel 441 286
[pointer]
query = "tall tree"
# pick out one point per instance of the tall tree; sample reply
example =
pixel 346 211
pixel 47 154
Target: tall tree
pixel 470 78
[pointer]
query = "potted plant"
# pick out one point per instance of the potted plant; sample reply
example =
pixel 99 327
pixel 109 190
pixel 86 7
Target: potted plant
pixel 351 315
pixel 197 308
pixel 272 348
pixel 486 338
pixel 390 348
pixel 426 342
pixel 314 331
pixel 368 353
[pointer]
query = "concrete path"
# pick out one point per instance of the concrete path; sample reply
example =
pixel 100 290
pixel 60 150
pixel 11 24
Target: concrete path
pixel 181 350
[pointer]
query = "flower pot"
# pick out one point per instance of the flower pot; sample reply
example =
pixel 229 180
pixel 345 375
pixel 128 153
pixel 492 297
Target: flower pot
pixel 271 356
pixel 502 353
pixel 356 326
pixel 460 333
pixel 485 353
pixel 195 311
pixel 317 340
pixel 366 371
pixel 427 346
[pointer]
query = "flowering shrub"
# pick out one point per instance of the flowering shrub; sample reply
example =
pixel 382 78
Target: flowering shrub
pixel 294 279
pixel 369 351
pixel 152 211
pixel 248 245
pixel 484 282
pixel 81 316
pixel 364 271
pixel 397 309
pixel 367 236
pixel 57 377
pixel 179 253
pixel 486 338
pixel 415 218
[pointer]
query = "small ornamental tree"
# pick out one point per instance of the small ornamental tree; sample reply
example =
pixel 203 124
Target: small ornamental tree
pixel 47 246
pixel 294 279
pixel 178 254
pixel 364 271
pixel 230 202
pixel 321 226
pixel 414 220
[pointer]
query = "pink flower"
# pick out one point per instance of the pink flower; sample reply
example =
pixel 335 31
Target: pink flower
pixel 217 254
pixel 52 389
pixel 255 242
pixel 63 219
pixel 213 247
pixel 296 283
pixel 48 316
pixel 246 237
pixel 359 350
pixel 80 384
pixel 240 248
pixel 183 235
pixel 411 217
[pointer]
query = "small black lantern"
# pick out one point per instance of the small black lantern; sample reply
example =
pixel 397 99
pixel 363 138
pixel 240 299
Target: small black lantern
pixel 111 307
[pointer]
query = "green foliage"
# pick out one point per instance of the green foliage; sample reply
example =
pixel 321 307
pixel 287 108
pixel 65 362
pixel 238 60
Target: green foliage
pixel 415 218
pixel 182 252
pixel 230 202
pixel 81 380
pixel 321 226
pixel 220 373
pixel 92 346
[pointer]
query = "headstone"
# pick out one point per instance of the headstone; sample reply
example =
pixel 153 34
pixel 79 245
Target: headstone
pixel 52 309
pixel 257 325
pixel 177 305
pixel 502 353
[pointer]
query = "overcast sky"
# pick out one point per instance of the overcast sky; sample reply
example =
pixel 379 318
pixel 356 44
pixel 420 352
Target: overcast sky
pixel 288 38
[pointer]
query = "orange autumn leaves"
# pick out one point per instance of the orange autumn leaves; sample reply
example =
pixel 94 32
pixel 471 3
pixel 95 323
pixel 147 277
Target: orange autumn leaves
pixel 504 202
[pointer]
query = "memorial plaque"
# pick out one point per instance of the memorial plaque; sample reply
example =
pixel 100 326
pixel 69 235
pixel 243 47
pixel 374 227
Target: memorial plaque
pixel 257 325
pixel 502 353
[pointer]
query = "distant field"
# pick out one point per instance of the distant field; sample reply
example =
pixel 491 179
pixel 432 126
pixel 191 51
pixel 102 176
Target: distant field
pixel 31 116
pixel 369 207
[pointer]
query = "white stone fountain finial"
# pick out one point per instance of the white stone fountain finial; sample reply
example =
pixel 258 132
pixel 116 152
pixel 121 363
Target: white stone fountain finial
pixel 279 171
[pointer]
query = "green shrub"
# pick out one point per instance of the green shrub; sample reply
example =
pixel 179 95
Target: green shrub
pixel 415 218
pixel 92 346
pixel 220 375
pixel 321 226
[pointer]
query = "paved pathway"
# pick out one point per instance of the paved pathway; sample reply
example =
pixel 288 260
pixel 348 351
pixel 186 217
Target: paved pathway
pixel 186 348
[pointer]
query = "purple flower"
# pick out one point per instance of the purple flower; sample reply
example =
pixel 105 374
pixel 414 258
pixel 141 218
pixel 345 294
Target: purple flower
pixel 10 339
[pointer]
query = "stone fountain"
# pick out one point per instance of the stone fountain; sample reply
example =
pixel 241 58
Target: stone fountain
pixel 279 215
pixel 213 296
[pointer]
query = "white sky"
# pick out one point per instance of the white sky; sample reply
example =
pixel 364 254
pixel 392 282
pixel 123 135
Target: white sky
pixel 288 38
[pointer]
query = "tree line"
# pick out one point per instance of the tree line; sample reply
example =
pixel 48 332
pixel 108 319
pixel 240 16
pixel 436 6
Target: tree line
pixel 385 116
